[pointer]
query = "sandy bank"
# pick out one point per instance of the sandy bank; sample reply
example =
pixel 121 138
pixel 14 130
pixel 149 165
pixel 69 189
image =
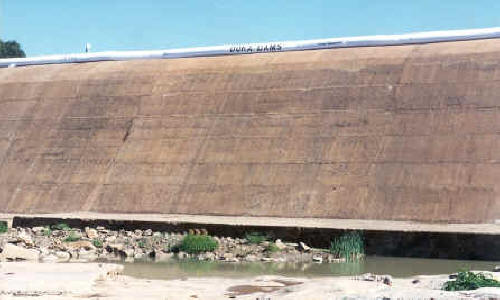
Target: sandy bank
pixel 22 280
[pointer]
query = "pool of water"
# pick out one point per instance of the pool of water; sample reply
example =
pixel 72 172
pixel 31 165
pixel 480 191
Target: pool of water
pixel 397 267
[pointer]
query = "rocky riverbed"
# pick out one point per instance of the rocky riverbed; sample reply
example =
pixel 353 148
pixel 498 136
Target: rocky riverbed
pixel 62 244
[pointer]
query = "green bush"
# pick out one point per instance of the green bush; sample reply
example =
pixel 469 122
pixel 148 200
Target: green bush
pixel 256 237
pixel 72 237
pixel 198 243
pixel 3 226
pixel 97 243
pixel 141 244
pixel 467 280
pixel 61 226
pixel 350 246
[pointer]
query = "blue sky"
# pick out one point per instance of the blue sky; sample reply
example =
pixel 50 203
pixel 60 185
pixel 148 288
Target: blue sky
pixel 63 26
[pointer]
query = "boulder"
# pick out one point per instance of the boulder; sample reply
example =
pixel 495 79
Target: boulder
pixel 91 233
pixel 496 269
pixel 62 256
pixel 279 244
pixel 148 232
pixel 251 258
pixel 11 251
pixel 49 258
pixel 38 231
pixel 385 279
pixel 163 256
pixel 129 252
pixel 88 255
pixel 317 258
pixel 77 245
pixel 115 247
pixel 304 247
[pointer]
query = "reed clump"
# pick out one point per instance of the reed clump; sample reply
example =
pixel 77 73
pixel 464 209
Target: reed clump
pixel 349 246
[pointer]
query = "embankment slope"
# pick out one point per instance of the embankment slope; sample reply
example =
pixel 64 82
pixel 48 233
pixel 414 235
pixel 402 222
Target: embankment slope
pixel 387 133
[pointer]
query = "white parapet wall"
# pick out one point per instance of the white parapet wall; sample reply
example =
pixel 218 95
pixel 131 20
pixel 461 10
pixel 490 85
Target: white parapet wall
pixel 250 48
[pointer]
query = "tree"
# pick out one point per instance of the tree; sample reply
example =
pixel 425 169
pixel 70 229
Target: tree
pixel 11 49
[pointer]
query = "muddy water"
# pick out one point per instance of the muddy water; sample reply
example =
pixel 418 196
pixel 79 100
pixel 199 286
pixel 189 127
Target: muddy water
pixel 397 267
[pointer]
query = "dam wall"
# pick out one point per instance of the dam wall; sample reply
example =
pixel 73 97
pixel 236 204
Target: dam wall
pixel 384 133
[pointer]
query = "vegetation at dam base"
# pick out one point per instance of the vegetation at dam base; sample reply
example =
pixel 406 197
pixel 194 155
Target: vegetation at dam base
pixel 3 226
pixel 60 242
pixel 467 280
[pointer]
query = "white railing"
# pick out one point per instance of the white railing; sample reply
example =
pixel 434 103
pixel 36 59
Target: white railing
pixel 346 42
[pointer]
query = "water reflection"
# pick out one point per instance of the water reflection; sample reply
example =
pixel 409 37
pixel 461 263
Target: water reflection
pixel 397 267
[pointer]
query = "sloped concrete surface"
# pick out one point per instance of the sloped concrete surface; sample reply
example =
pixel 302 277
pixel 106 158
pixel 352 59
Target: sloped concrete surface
pixel 407 133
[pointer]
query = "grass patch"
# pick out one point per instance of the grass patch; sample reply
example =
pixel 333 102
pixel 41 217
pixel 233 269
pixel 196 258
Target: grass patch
pixel 72 237
pixel 47 231
pixel 256 237
pixel 272 248
pixel 61 226
pixel 350 246
pixel 467 280
pixel 198 244
pixel 97 243
pixel 3 226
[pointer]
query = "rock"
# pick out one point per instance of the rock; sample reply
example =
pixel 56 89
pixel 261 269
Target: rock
pixel 496 269
pixel 77 245
pixel 234 259
pixel 62 256
pixel 304 247
pixel 38 231
pixel 162 256
pixel 265 244
pixel 77 234
pixel 111 239
pixel 129 252
pixel 182 255
pixel 267 259
pixel 26 238
pixel 227 256
pixel 138 233
pixel 251 258
pixel 49 258
pixel 91 233
pixel 210 256
pixel 279 244
pixel 88 255
pixel 148 232
pixel 115 247
pixel 11 251
pixel 292 245
pixel 317 258
pixel 385 279
pixel 157 234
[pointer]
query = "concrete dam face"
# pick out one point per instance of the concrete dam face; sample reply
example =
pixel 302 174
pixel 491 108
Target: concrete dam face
pixel 384 133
